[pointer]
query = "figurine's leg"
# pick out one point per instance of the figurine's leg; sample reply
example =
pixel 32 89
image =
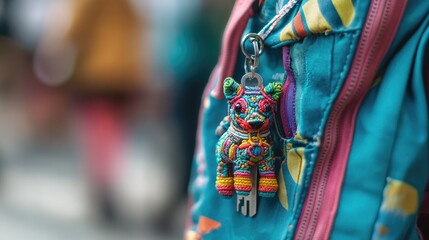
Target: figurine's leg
pixel 224 179
pixel 268 185
pixel 242 177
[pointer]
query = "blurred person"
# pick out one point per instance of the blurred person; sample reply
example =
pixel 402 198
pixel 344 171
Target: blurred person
pixel 95 69
pixel 92 49
pixel 105 36
pixel 97 54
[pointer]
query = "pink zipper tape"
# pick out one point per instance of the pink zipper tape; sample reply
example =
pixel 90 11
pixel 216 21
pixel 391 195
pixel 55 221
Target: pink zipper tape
pixel 322 201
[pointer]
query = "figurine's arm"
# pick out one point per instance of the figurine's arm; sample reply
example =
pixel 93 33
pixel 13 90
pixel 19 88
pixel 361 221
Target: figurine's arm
pixel 223 126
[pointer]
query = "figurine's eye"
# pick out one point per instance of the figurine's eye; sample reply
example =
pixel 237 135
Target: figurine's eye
pixel 264 106
pixel 238 107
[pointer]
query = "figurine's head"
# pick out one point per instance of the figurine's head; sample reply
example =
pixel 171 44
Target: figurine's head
pixel 251 108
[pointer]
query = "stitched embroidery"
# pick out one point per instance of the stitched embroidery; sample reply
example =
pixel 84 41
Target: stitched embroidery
pixel 247 141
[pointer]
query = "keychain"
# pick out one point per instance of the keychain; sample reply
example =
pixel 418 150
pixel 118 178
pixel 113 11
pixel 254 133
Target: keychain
pixel 244 151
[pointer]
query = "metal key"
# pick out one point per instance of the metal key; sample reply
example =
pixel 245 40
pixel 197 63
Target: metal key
pixel 247 204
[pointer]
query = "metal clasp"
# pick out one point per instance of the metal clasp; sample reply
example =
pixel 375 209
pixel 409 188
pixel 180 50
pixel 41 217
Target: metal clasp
pixel 252 60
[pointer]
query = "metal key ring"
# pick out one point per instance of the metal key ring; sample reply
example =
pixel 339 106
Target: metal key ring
pixel 250 76
pixel 255 57
pixel 254 38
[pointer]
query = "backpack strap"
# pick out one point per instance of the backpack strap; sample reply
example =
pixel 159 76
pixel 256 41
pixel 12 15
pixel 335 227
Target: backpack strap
pixel 240 15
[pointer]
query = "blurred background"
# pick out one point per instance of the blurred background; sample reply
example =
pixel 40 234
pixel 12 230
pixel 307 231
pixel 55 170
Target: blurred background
pixel 98 111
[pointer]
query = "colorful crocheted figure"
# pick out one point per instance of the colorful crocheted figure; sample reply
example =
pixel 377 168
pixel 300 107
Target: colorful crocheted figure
pixel 247 141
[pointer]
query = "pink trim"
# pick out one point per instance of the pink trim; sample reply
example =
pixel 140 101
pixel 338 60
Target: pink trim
pixel 425 203
pixel 379 30
pixel 241 8
pixel 420 234
pixel 189 222
pixel 241 13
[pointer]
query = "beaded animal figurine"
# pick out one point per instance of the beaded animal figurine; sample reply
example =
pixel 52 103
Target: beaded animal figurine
pixel 247 140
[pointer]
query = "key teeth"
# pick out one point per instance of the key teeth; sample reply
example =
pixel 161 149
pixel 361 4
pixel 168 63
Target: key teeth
pixel 245 206
pixel 240 203
pixel 246 201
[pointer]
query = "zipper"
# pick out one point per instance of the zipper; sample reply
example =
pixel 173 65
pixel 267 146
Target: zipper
pixel 287 102
pixel 379 30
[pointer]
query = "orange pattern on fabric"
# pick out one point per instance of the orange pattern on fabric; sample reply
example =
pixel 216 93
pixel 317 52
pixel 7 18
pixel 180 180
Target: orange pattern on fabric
pixel 207 225
pixel 299 26
pixel 315 20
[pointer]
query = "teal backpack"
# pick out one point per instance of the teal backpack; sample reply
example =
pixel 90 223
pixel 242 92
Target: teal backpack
pixel 323 133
